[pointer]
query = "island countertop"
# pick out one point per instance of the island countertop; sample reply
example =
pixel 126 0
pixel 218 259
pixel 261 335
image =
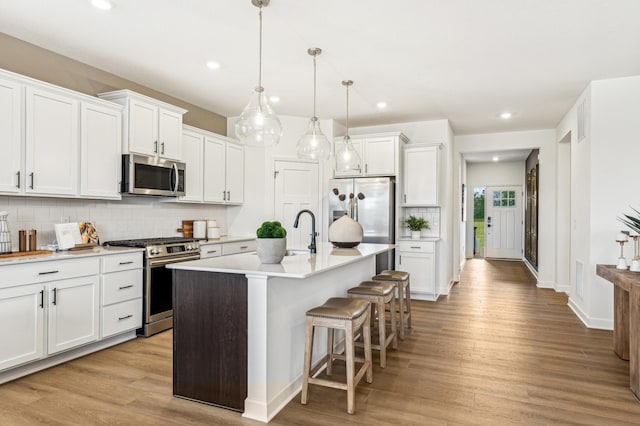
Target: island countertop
pixel 300 264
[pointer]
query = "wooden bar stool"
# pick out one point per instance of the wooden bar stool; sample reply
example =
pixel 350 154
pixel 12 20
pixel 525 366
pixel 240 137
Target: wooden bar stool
pixel 401 280
pixel 379 293
pixel 343 314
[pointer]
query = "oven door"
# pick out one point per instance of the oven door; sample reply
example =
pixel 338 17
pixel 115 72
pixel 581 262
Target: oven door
pixel 159 290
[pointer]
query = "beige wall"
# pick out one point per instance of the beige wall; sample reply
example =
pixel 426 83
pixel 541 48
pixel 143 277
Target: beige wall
pixel 27 59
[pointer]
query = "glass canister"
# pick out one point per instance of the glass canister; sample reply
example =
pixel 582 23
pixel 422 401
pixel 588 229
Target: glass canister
pixel 5 234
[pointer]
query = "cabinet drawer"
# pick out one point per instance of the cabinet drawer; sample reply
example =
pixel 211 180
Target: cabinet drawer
pixel 121 286
pixel 38 272
pixel 121 317
pixel 210 250
pixel 416 246
pixel 238 247
pixel 121 262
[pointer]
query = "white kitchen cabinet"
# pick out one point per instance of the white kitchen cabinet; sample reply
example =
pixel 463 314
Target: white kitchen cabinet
pixel 121 301
pixel 420 177
pixel 238 247
pixel 21 324
pixel 11 132
pixel 100 150
pixel 378 153
pixel 223 170
pixel 51 147
pixel 72 313
pixel 419 259
pixel 192 155
pixel 210 250
pixel 151 127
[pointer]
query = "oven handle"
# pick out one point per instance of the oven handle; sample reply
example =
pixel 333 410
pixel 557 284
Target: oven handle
pixel 175 178
pixel 155 263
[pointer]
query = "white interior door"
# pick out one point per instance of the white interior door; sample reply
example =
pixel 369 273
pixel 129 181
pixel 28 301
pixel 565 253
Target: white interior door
pixel 296 188
pixel 503 222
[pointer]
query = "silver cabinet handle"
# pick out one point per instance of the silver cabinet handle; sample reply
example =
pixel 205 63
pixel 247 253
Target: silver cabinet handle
pixel 125 287
pixel 155 147
pixel 162 148
pixel 48 272
pixel 31 176
pixel 18 176
pixel 125 317
pixel 244 247
pixel 212 251
pixel 126 263
pixel 415 247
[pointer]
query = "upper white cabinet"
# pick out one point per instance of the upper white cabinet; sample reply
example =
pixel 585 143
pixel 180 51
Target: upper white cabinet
pixel 420 177
pixel 11 133
pixel 151 127
pixel 215 168
pixel 378 152
pixel 52 135
pixel 57 142
pixel 100 151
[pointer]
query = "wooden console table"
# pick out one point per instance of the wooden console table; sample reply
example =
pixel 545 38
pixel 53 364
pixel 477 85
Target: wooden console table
pixel 626 317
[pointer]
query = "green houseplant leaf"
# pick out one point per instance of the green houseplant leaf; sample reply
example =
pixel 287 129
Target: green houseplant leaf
pixel 271 230
pixel 416 223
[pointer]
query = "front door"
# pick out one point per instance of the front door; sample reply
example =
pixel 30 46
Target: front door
pixel 296 188
pixel 503 222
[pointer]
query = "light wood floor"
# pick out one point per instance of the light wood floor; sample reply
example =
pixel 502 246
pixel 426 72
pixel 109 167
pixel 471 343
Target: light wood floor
pixel 497 351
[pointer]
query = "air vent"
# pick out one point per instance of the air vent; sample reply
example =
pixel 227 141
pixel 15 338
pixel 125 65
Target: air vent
pixel 579 279
pixel 582 118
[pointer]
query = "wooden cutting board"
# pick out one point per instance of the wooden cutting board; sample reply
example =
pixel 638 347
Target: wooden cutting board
pixel 25 253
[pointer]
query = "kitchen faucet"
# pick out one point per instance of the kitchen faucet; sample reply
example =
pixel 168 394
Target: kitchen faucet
pixel 312 246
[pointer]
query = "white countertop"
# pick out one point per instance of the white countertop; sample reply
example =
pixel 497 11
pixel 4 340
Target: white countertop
pixel 301 265
pixel 64 255
pixel 225 239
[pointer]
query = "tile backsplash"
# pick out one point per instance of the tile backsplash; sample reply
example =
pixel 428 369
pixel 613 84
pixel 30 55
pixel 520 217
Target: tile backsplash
pixel 132 217
pixel 431 214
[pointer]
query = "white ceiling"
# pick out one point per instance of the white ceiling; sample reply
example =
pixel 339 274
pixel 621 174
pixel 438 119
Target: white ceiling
pixel 465 60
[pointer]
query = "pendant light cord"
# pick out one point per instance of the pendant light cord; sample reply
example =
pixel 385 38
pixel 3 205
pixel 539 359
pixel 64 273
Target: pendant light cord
pixel 260 51
pixel 314 86
pixel 347 121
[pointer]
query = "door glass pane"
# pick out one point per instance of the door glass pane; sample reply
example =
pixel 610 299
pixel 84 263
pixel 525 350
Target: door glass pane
pixel 512 194
pixel 504 203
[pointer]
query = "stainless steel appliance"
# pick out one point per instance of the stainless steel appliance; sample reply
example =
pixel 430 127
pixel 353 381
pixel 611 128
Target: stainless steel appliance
pixel 157 304
pixel 144 175
pixel 376 212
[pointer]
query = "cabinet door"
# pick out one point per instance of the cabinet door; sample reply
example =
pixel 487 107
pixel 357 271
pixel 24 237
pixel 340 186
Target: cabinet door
pixel 143 128
pixel 170 134
pixel 21 324
pixel 100 151
pixel 421 176
pixel 421 266
pixel 73 313
pixel 235 173
pixel 380 156
pixel 51 143
pixel 11 179
pixel 192 149
pixel 357 146
pixel 214 173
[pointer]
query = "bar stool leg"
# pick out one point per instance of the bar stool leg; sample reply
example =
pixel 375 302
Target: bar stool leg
pixel 308 350
pixel 394 329
pixel 330 351
pixel 366 331
pixel 400 287
pixel 349 358
pixel 407 293
pixel 382 333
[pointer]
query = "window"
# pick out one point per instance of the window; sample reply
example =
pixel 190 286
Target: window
pixel 504 198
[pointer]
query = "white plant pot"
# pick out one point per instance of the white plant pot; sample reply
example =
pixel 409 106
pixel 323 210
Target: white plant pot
pixel 345 232
pixel 415 235
pixel 271 250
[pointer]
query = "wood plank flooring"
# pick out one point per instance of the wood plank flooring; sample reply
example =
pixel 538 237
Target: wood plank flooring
pixel 496 351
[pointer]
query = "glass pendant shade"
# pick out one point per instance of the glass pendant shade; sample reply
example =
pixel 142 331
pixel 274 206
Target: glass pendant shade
pixel 347 158
pixel 258 125
pixel 314 145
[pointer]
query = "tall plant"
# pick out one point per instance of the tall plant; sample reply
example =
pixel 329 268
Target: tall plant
pixel 632 222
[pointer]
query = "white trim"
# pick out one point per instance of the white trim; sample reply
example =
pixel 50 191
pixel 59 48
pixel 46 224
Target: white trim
pixel 597 323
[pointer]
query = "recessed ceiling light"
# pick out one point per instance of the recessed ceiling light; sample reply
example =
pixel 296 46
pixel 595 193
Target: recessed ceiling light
pixel 505 115
pixel 275 99
pixel 101 4
pixel 213 65
pixel 381 105
pixel 495 159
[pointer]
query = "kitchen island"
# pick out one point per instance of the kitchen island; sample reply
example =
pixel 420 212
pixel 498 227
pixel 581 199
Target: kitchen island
pixel 239 325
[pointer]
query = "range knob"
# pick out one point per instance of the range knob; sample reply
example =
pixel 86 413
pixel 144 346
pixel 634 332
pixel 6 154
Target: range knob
pixel 155 251
pixel 190 247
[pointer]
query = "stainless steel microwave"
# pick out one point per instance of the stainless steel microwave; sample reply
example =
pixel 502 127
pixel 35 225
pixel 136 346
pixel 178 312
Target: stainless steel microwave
pixel 143 175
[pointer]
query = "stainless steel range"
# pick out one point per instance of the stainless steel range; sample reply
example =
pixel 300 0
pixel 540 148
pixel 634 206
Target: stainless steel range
pixel 157 306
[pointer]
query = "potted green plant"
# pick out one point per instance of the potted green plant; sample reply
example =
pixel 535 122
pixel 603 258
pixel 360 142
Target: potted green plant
pixel 271 243
pixel 416 224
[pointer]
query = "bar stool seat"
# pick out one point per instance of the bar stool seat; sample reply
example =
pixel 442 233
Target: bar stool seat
pixel 379 293
pixel 349 315
pixel 401 280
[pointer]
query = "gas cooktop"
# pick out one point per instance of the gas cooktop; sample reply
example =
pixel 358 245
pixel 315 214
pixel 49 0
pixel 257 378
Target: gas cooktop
pixel 145 242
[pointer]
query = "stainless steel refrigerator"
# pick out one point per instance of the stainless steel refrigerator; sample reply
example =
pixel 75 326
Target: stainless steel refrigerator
pixel 375 212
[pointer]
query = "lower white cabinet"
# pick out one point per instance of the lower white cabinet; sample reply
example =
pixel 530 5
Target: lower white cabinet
pixel 238 247
pixel 419 259
pixel 50 307
pixel 210 250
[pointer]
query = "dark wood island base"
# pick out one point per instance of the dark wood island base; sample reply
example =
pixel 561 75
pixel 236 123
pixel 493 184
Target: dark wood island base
pixel 210 338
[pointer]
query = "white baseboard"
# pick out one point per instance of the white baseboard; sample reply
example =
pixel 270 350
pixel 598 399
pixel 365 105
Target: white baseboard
pixel 424 296
pixel 546 284
pixel 597 323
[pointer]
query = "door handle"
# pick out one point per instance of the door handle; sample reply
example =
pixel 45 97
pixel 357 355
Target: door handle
pixel 42 298
pixel 55 295
pixel 224 195
pixel 228 195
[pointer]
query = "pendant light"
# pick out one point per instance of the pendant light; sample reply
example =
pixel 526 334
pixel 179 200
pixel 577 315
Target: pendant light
pixel 258 125
pixel 314 145
pixel 347 158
